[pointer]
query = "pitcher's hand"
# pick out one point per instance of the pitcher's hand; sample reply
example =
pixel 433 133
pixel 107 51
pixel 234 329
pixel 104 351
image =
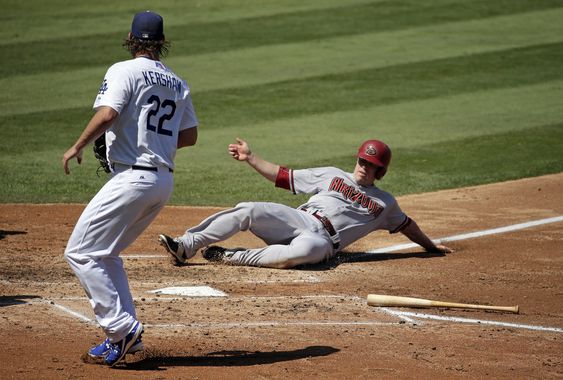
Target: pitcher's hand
pixel 69 155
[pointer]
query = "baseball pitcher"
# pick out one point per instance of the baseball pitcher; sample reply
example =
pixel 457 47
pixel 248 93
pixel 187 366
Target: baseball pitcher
pixel 144 113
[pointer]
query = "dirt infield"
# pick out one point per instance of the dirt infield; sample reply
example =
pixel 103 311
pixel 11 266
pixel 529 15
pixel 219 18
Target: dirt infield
pixel 311 322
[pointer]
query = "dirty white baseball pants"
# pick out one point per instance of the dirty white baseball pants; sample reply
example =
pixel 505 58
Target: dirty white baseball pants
pixel 113 219
pixel 293 237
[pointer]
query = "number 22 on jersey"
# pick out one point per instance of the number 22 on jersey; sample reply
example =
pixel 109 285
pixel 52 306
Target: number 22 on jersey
pixel 168 108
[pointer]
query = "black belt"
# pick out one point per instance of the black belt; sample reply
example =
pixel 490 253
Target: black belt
pixel 148 168
pixel 138 167
pixel 328 227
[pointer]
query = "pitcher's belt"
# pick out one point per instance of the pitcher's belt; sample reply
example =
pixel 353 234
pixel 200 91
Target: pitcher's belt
pixel 139 167
pixel 327 225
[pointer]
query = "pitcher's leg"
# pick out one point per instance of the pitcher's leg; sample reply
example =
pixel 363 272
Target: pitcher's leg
pixel 109 223
pixel 85 252
pixel 96 276
pixel 114 264
pixel 307 248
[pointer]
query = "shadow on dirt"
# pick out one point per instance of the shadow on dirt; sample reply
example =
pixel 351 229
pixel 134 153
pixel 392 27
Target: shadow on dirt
pixel 15 300
pixel 359 257
pixel 345 257
pixel 155 361
pixel 4 233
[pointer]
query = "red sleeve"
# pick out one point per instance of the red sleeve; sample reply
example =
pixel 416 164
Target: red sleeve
pixel 285 179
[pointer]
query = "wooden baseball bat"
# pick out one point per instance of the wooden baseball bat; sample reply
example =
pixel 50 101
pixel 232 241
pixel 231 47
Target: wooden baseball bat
pixel 384 300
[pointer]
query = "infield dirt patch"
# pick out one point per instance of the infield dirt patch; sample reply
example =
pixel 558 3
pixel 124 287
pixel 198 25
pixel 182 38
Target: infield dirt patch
pixel 311 322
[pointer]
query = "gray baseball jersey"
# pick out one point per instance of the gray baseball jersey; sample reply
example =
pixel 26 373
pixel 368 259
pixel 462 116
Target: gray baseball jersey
pixel 339 213
pixel 353 210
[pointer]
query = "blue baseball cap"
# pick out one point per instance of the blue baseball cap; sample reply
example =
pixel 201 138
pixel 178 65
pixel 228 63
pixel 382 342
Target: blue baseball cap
pixel 148 26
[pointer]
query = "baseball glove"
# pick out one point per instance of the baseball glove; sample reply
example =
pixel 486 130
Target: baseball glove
pixel 100 154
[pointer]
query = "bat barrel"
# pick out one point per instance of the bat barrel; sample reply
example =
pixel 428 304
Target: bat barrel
pixel 398 301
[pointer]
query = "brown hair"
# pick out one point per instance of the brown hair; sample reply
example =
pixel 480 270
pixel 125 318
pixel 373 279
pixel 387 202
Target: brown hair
pixel 156 48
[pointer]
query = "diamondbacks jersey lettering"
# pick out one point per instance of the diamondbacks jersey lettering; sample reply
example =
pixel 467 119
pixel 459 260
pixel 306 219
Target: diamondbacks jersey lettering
pixel 154 105
pixel 353 210
pixel 355 195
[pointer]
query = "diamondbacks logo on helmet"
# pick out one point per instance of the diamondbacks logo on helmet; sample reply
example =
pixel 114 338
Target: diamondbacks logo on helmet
pixel 370 150
pixel 376 152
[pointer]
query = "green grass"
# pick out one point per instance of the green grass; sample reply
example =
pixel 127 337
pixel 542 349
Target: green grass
pixel 485 159
pixel 199 36
pixel 464 92
pixel 387 85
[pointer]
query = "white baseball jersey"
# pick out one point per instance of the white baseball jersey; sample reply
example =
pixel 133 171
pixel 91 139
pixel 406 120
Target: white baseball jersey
pixel 154 105
pixel 353 210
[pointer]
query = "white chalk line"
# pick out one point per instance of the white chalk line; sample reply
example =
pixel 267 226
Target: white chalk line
pixel 403 315
pixel 470 235
pixel 513 227
pixel 472 321
pixel 67 310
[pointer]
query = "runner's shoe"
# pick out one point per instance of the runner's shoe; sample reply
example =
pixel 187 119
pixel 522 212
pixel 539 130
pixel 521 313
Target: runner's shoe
pixel 175 247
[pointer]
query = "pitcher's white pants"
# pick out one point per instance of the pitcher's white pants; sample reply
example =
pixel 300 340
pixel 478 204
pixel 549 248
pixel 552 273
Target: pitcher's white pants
pixel 113 219
pixel 293 237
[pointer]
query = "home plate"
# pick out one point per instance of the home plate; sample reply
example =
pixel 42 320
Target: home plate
pixel 190 291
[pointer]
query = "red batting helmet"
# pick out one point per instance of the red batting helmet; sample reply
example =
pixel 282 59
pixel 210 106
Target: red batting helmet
pixel 378 153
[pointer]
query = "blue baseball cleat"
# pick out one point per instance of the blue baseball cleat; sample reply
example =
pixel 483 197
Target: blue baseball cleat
pixel 102 349
pixel 117 351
